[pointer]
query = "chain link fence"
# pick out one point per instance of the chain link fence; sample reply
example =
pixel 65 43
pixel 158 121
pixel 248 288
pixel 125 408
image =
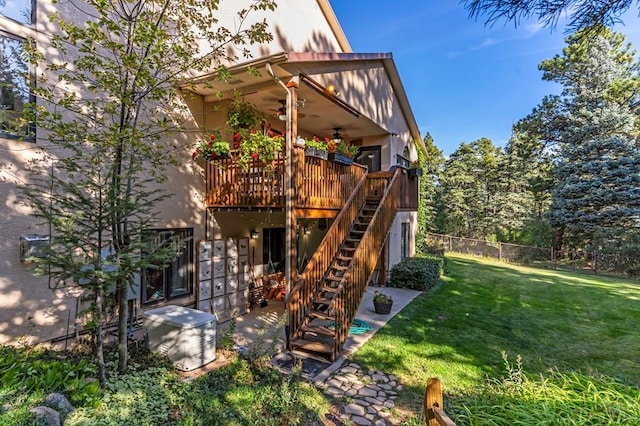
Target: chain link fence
pixel 595 262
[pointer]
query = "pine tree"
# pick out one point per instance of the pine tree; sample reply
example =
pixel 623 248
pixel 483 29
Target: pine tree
pixel 598 175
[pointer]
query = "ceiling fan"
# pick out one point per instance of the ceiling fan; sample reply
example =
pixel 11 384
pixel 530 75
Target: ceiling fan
pixel 281 112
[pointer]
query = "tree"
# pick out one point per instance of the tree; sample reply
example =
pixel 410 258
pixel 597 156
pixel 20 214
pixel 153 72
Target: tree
pixel 598 185
pixel 582 13
pixel 108 144
pixel 471 199
pixel 433 162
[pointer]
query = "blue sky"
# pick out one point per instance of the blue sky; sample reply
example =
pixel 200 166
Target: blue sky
pixel 464 80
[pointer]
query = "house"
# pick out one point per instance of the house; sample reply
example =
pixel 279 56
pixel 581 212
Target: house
pixel 330 229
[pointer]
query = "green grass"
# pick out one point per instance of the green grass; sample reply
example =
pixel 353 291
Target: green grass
pixel 567 322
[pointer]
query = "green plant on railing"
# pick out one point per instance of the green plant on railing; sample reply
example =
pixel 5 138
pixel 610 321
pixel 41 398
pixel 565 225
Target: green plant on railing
pixel 316 143
pixel 211 148
pixel 258 146
pixel 347 149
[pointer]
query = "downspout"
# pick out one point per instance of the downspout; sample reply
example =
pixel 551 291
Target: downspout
pixel 287 182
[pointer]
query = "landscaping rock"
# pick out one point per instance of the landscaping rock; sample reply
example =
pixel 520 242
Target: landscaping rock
pixel 360 421
pixel 356 409
pixel 60 403
pixel 45 415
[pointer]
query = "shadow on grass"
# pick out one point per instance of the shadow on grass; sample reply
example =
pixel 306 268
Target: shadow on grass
pixel 553 319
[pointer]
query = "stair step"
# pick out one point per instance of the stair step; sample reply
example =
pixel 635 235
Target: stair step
pixel 311 345
pixel 318 329
pixel 321 315
pixel 344 248
pixel 339 268
pixel 323 300
pixel 351 241
pixel 355 231
pixel 311 355
pixel 333 278
pixel 329 290
pixel 344 258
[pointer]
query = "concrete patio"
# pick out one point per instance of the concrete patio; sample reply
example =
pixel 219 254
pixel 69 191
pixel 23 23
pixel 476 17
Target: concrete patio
pixel 265 326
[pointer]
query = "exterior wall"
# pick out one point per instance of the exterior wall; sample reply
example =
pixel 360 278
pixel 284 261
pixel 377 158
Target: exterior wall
pixel 296 25
pixel 29 306
pixel 369 90
pixel 394 245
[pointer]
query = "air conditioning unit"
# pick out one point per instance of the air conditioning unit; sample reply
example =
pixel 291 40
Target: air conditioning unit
pixel 186 336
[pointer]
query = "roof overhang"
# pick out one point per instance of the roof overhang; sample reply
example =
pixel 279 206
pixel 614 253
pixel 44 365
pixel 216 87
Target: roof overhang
pixel 319 110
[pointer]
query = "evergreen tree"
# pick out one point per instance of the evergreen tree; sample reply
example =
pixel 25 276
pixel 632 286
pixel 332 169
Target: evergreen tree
pixel 429 183
pixel 109 138
pixel 598 180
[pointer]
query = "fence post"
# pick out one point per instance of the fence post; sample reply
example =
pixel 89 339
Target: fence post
pixel 433 395
pixel 499 251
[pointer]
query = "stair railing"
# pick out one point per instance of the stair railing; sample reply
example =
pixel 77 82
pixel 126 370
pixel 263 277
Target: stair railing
pixel 353 286
pixel 299 300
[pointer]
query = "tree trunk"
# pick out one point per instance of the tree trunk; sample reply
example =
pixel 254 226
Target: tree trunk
pixel 123 315
pixel 99 299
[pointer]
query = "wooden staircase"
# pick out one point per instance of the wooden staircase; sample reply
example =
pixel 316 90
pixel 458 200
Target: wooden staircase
pixel 324 301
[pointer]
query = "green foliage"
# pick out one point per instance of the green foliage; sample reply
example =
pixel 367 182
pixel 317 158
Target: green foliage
pixel 27 371
pixel 586 15
pixel 236 395
pixel 428 187
pixel 347 149
pixel 418 273
pixel 142 397
pixel 316 143
pixel 242 116
pixel 211 147
pixel 262 146
pixel 382 298
pixel 552 398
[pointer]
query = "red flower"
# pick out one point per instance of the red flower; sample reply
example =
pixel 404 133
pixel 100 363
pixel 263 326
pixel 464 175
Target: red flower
pixel 213 137
pixel 214 155
pixel 254 155
pixel 270 133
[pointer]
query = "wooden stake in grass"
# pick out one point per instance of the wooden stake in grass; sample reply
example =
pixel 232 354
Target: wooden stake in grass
pixel 433 404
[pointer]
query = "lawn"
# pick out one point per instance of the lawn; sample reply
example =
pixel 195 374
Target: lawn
pixel 577 336
pixel 458 331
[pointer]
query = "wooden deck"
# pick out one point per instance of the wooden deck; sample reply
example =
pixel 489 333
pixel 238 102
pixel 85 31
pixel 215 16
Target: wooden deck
pixel 320 187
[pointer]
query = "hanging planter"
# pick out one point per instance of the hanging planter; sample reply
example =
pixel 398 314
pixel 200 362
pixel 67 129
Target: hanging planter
pixel 415 172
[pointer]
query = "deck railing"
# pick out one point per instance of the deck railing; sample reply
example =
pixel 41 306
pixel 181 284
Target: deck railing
pixel 316 183
pixel 299 301
pixel 385 185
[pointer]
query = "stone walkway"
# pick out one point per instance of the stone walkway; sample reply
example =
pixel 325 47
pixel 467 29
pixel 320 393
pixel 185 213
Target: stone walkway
pixel 369 394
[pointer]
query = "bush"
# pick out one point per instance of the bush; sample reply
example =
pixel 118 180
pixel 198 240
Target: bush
pixel 418 273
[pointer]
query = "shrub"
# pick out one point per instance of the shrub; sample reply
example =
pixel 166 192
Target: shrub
pixel 418 273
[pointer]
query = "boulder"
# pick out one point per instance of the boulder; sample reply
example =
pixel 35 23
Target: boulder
pixel 46 415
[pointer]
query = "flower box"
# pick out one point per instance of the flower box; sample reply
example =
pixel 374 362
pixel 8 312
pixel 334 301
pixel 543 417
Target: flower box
pixel 315 152
pixel 340 158
pixel 215 156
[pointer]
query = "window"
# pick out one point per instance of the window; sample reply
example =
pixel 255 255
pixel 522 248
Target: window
pixel 175 278
pixel 405 240
pixel 14 90
pixel 18 10
pixel 273 255
pixel 370 156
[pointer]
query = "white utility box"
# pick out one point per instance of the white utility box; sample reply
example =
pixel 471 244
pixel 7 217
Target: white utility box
pixel 187 336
